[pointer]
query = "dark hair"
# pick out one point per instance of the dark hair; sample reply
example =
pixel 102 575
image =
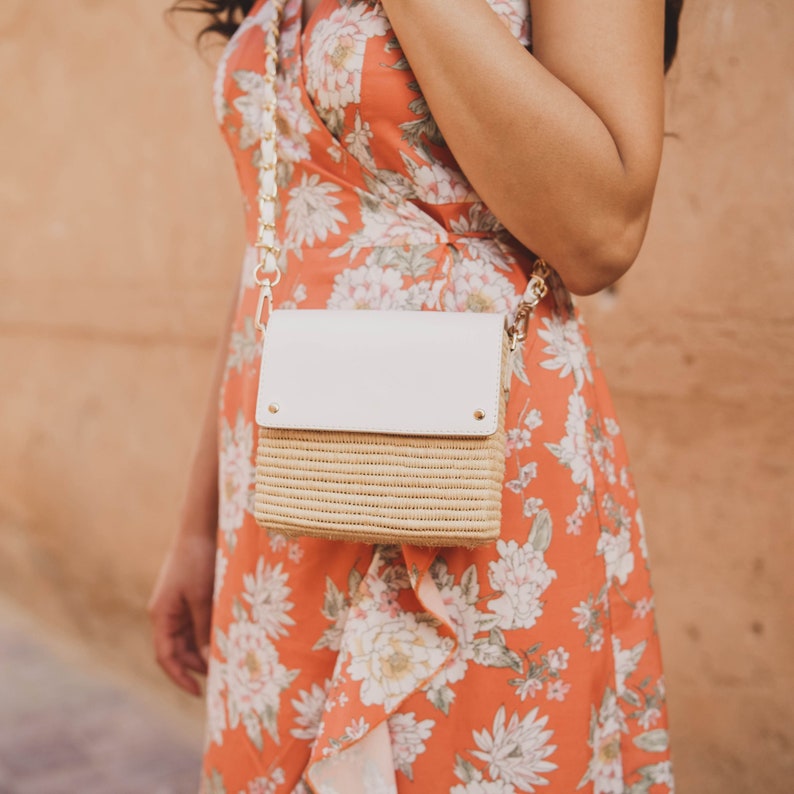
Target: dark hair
pixel 225 17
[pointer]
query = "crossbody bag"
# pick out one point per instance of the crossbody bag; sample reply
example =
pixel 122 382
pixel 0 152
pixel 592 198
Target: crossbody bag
pixel 377 426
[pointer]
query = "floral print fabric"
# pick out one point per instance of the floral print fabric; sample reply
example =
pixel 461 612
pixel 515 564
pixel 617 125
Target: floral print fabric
pixel 528 665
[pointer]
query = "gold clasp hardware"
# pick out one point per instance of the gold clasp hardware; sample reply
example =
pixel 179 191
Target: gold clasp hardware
pixel 536 290
pixel 263 307
pixel 265 273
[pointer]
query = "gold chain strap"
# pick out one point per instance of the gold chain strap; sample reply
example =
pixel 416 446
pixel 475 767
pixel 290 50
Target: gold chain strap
pixel 267 272
pixel 536 291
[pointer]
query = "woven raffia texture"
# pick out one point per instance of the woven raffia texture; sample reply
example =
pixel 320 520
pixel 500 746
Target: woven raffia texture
pixel 378 488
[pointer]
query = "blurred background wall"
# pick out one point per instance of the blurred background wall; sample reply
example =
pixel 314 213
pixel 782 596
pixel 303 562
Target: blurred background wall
pixel 121 237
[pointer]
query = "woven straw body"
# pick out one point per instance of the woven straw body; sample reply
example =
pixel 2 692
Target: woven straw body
pixel 379 488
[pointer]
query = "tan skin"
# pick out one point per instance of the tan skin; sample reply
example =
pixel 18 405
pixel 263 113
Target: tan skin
pixel 574 136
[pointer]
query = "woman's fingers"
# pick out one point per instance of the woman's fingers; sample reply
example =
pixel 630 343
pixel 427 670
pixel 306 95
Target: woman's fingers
pixel 180 610
pixel 201 615
pixel 173 647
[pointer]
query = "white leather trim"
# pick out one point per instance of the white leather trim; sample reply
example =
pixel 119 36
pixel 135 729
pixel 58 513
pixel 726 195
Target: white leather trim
pixel 406 372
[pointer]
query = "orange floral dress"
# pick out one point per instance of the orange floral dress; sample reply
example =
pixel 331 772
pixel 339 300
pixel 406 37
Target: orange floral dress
pixel 529 664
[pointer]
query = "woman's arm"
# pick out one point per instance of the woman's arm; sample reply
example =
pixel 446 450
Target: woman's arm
pixel 563 146
pixel 180 607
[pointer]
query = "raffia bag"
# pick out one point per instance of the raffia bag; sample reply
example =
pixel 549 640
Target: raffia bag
pixel 378 426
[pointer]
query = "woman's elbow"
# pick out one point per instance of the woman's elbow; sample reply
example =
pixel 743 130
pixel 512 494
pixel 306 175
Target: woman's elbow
pixel 590 262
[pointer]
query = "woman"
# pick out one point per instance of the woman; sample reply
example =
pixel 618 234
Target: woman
pixel 529 664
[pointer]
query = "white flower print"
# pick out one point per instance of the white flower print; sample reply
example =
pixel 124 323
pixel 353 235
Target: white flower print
pixel 568 348
pixel 557 690
pixel 605 770
pixel 294 122
pixel 625 480
pixel 532 506
pixel 334 59
pixel 661 774
pixel 310 706
pixel 422 294
pixel 517 750
pixel 477 287
pixel 357 141
pixel 483 787
pixel 277 541
pixel 368 287
pixel 380 589
pixel 249 105
pixel 642 608
pixel 513 15
pixel 517 438
pixel 408 739
pixel 589 617
pixel 617 553
pixel 558 659
pixel 603 454
pixel 266 591
pixel 626 661
pixel 311 211
pixel 297 297
pixel 215 708
pixel 357 728
pixel 436 183
pixel 573 451
pixel 236 476
pixel 265 785
pixel 385 225
pixel 488 251
pixel 583 615
pixel 529 686
pixel 335 609
pixel 260 18
pixel 392 658
pixel 573 524
pixel 460 601
pixel 543 672
pixel 295 552
pixel 521 575
pixel 611 426
pixel 255 679
pixel 649 718
pixel 526 474
pixel 478 218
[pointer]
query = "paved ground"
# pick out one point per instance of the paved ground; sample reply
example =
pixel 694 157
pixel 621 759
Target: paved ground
pixel 66 731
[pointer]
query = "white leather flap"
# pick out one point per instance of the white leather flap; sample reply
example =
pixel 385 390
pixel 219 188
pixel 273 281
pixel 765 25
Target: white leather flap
pixel 405 372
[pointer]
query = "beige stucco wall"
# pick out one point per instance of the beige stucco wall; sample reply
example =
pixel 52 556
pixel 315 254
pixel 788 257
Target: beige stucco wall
pixel 121 234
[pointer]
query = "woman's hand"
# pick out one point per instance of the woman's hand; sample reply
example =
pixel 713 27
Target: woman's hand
pixel 181 609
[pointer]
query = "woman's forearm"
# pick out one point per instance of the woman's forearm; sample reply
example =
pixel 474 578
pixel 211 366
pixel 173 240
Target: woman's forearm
pixel 200 504
pixel 568 183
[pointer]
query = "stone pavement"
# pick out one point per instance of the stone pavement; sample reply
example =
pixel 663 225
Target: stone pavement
pixel 68 730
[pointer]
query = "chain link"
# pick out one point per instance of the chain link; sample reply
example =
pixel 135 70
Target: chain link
pixel 536 291
pixel 267 272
